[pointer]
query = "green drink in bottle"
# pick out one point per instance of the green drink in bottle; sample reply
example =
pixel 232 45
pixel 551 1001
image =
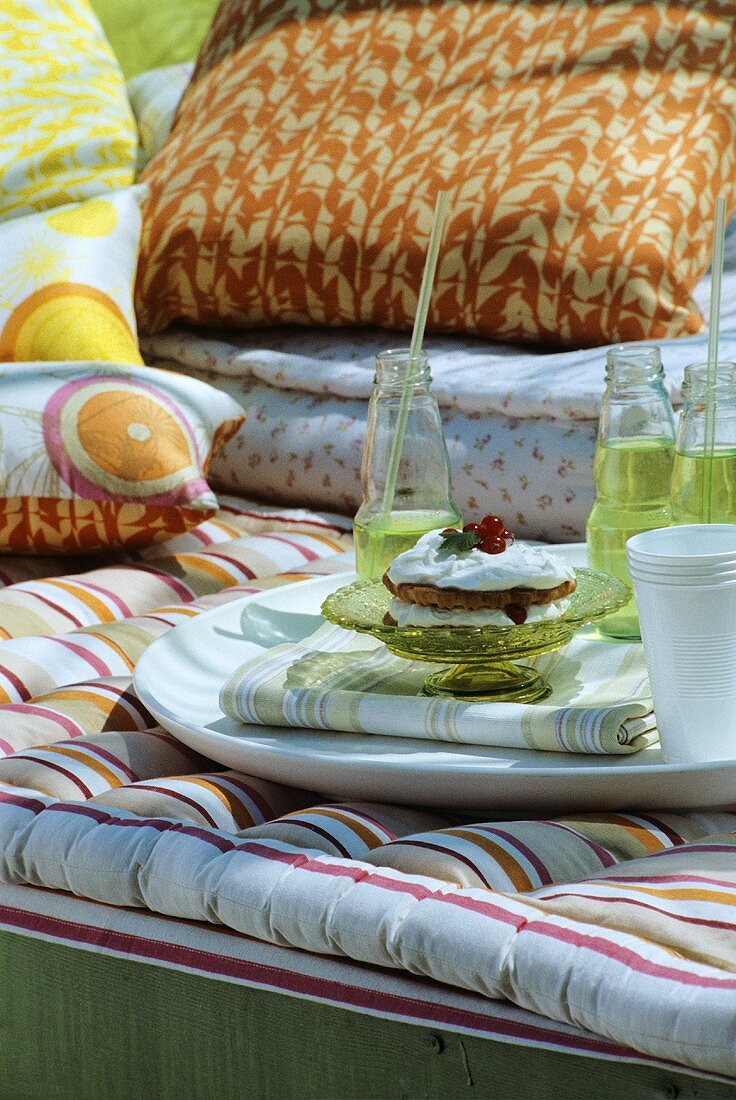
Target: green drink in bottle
pixel 704 477
pixel 422 497
pixel 633 466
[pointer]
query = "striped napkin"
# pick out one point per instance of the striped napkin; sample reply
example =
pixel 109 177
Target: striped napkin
pixel 339 680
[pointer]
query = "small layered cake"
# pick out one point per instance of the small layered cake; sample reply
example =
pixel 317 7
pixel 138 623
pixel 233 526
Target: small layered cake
pixel 479 576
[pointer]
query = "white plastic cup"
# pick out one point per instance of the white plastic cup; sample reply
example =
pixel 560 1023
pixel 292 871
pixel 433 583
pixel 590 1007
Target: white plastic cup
pixel 685 584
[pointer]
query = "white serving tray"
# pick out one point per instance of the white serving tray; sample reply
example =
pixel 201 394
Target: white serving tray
pixel 179 679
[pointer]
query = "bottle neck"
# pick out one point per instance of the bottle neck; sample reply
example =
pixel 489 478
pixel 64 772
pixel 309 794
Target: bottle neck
pixel 635 403
pixel 634 370
pixel 396 369
pixel 701 388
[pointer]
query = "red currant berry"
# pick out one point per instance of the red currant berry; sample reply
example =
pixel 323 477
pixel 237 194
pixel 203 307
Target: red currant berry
pixel 508 538
pixel 472 528
pixel 492 525
pixel 494 546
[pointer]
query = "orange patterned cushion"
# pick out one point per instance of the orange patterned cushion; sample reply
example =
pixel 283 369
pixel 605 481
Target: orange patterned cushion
pixel 582 143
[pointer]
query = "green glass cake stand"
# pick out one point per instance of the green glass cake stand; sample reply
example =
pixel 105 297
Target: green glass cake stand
pixel 482 659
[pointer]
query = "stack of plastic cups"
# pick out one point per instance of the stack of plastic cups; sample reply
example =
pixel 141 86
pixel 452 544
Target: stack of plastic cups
pixel 685 583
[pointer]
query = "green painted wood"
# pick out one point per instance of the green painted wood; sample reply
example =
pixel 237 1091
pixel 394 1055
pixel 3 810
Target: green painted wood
pixel 75 1025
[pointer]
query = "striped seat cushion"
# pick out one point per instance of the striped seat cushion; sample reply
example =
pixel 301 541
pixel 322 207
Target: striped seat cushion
pixel 57 605
pixel 89 707
pixel 86 766
pixel 349 829
pixel 525 855
pixel 224 800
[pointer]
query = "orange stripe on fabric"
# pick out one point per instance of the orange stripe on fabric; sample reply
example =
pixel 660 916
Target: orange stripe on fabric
pixel 91 762
pixel 206 566
pixel 101 610
pixel 229 799
pixel 113 645
pixel 107 705
pixel 506 862
pixel 675 893
pixel 642 834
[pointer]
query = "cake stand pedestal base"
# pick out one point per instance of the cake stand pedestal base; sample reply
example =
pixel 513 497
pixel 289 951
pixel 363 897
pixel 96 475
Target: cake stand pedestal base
pixel 502 681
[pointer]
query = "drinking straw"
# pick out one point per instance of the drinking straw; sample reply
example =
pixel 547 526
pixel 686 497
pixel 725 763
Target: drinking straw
pixel 716 270
pixel 420 320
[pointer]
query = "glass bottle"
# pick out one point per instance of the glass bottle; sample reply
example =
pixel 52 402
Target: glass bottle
pixel 703 488
pixel 422 496
pixel 633 464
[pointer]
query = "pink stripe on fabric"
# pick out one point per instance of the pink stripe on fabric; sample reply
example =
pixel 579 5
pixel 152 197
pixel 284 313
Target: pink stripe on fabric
pixel 726 926
pixel 520 846
pixel 168 740
pixel 240 785
pixel 483 909
pixel 308 555
pixel 180 797
pixel 205 539
pixel 160 619
pixel 261 974
pixel 104 754
pixel 159 824
pixel 662 827
pixel 123 607
pixel 66 723
pixel 346 808
pixel 301 823
pixel 413 842
pixel 23 801
pixel 686 848
pixel 218 556
pixel 54 606
pixel 6 747
pixel 16 683
pixel 184 593
pixel 95 662
pixel 654 880
pixel 126 698
pixel 56 768
pixel 383 882
pixel 627 957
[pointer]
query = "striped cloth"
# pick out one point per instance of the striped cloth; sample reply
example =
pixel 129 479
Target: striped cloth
pixel 339 680
pixel 619 924
pixel 528 855
pixel 544 954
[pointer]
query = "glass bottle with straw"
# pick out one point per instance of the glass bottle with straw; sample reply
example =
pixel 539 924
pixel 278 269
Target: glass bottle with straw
pixel 633 464
pixel 703 488
pixel 405 471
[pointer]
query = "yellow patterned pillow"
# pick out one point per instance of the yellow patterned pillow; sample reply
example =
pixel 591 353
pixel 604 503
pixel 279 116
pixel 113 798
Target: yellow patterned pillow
pixel 66 128
pixel 66 281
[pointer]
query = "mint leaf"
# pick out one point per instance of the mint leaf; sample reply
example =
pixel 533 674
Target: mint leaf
pixel 459 542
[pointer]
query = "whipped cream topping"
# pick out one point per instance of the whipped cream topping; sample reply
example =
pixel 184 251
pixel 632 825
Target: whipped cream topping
pixel 411 614
pixel 520 566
